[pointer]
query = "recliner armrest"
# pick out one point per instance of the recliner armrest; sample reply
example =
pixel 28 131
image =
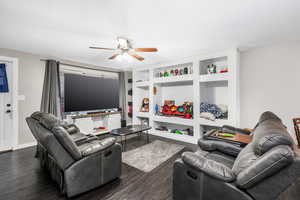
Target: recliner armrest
pixel 209 167
pixel 223 146
pixel 93 146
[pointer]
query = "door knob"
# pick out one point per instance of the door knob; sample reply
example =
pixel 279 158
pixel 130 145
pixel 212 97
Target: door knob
pixel 8 105
pixel 8 111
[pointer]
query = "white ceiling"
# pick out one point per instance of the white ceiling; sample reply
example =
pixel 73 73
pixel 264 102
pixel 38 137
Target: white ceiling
pixel 178 28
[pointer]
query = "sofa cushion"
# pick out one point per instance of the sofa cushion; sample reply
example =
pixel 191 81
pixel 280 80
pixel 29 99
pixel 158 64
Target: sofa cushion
pixel 265 166
pixel 269 134
pixel 268 115
pixel 93 146
pixel 210 167
pixel 244 159
pixel 48 120
pixel 71 128
pixel 66 141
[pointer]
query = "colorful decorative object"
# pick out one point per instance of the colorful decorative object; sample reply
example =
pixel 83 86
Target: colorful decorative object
pixel 156 108
pixel 145 105
pixel 185 70
pixel 154 90
pixel 166 74
pixel 3 79
pixel 184 111
pixel 211 69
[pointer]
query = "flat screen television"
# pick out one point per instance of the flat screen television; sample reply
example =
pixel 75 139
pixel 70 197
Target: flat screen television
pixel 90 93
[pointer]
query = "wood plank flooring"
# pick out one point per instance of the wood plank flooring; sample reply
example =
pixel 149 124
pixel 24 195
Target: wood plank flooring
pixel 22 178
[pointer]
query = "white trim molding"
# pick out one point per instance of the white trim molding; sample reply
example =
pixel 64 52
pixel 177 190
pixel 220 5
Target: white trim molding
pixel 26 145
pixel 15 92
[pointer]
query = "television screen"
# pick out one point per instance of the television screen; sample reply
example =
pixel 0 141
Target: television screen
pixel 90 93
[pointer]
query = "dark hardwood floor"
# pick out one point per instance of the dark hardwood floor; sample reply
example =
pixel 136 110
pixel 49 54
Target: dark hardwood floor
pixel 22 178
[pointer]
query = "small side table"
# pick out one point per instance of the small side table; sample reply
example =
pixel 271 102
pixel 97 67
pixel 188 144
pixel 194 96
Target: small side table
pixel 129 130
pixel 240 139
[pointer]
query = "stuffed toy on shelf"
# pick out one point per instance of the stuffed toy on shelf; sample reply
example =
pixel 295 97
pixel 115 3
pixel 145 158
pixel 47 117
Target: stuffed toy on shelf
pixel 145 105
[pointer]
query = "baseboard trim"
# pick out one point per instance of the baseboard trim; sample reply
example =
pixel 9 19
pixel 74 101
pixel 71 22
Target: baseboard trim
pixel 23 146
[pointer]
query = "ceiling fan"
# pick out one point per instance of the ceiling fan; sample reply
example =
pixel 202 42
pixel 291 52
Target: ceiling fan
pixel 125 47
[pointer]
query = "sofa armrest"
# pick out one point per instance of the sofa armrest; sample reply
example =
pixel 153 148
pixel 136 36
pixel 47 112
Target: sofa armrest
pixel 218 145
pixel 93 170
pixel 92 146
pixel 209 167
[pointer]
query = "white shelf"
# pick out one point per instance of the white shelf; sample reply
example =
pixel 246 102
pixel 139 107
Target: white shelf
pixel 221 88
pixel 143 114
pixel 174 120
pixel 171 79
pixel 217 122
pixel 142 84
pixel 173 136
pixel 214 77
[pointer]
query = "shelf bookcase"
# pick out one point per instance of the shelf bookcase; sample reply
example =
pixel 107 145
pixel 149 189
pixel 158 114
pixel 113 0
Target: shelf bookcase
pixel 197 86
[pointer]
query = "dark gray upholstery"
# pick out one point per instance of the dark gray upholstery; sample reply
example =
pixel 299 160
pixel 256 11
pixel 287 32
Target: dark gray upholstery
pixel 77 165
pixel 93 146
pixel 209 167
pixel 268 168
pixel 66 141
pixel 228 148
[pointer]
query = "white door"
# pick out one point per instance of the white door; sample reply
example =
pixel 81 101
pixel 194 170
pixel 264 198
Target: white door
pixel 6 128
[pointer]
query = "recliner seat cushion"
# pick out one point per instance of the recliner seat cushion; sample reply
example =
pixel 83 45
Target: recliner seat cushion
pixel 210 167
pixel 93 146
pixel 66 141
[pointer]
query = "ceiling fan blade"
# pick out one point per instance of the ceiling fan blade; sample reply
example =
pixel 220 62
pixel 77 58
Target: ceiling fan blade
pixel 140 58
pixel 114 56
pixel 102 48
pixel 145 49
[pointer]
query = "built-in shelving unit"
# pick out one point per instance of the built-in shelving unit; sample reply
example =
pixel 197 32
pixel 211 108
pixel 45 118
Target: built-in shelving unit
pixel 196 85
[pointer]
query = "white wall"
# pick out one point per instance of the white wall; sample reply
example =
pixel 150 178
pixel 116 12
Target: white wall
pixel 270 80
pixel 31 78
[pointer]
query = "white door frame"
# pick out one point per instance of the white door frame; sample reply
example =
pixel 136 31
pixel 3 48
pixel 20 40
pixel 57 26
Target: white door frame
pixel 15 110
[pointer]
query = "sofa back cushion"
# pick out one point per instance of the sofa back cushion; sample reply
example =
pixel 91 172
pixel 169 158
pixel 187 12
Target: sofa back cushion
pixel 269 151
pixel 48 120
pixel 264 166
pixel 269 134
pixel 66 141
pixel 46 138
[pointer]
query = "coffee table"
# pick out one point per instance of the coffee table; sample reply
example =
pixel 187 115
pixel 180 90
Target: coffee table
pixel 129 130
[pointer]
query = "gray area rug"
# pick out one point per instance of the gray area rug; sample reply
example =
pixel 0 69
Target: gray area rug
pixel 150 156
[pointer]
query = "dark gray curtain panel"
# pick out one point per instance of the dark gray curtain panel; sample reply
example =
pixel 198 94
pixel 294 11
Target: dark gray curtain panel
pixel 122 96
pixel 51 89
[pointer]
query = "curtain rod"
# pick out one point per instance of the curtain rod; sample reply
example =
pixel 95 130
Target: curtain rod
pixel 80 66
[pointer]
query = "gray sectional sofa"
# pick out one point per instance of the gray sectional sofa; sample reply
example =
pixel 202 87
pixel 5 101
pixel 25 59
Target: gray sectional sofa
pixel 77 162
pixel 268 168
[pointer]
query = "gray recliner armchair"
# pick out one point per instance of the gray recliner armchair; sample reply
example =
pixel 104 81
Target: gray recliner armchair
pixel 268 168
pixel 77 162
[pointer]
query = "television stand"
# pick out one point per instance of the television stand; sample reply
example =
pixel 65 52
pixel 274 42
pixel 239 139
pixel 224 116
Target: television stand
pixel 88 122
pixel 94 114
